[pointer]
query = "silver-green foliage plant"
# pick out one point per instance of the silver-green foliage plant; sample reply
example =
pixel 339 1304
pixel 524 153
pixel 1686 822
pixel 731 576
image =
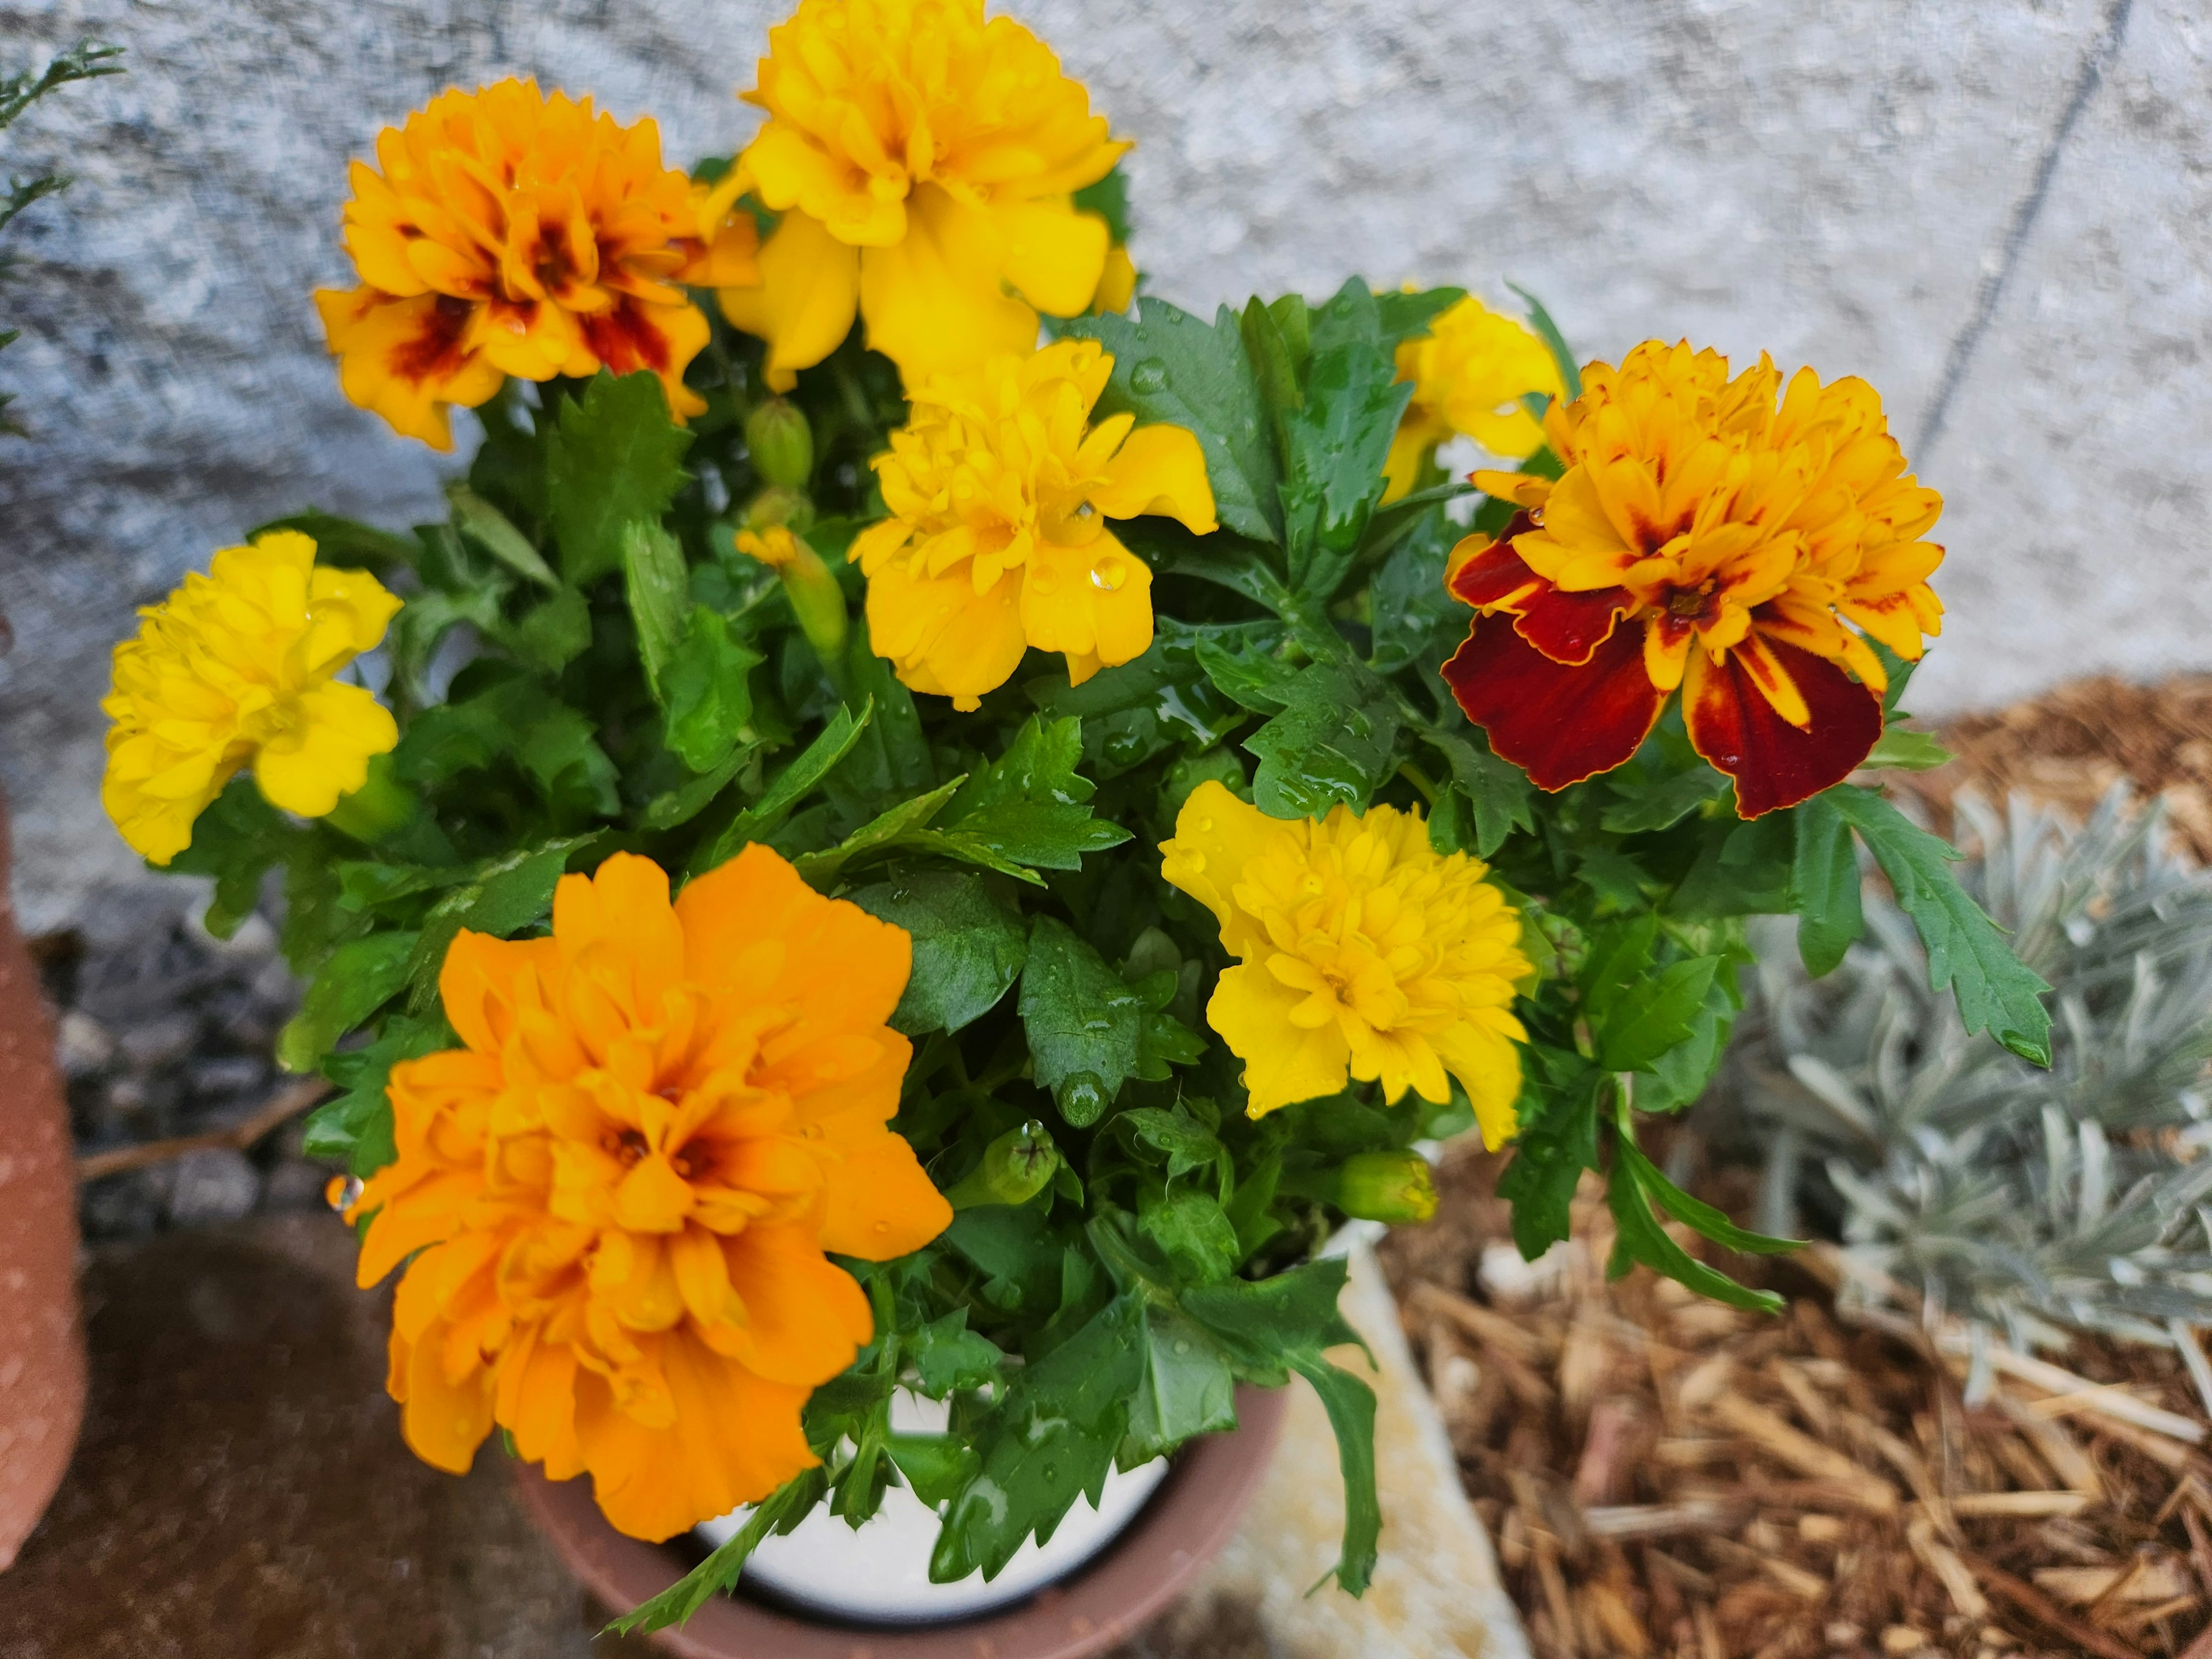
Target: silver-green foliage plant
pixel 2025 1200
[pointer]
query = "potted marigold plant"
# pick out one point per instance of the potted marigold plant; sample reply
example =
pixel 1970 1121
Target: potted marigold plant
pixel 916 834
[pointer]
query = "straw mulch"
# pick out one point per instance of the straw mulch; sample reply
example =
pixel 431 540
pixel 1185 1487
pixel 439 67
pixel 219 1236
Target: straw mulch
pixel 2068 747
pixel 1666 1476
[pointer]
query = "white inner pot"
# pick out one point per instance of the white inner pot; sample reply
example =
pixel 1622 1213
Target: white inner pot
pixel 880 1573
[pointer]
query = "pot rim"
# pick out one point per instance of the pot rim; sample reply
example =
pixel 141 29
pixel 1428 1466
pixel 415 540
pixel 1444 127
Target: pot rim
pixel 1110 1598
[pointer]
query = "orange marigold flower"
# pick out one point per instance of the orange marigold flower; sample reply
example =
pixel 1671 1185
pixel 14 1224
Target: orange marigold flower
pixel 505 232
pixel 1727 536
pixel 924 160
pixel 618 1195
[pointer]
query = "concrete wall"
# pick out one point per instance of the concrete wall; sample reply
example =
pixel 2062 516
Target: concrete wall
pixel 1995 210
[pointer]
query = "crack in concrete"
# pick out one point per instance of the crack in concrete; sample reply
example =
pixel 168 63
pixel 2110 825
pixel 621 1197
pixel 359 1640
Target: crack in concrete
pixel 1991 288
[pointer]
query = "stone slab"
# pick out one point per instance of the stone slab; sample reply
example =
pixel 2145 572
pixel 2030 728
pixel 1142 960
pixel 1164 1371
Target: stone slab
pixel 1836 182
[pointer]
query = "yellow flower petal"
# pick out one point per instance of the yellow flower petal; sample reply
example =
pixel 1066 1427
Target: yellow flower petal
pixel 932 302
pixel 1162 470
pixel 809 293
pixel 1055 257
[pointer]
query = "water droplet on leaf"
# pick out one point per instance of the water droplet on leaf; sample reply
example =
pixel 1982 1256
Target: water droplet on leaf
pixel 1151 375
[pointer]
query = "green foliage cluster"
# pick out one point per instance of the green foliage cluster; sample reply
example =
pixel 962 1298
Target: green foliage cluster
pixel 585 664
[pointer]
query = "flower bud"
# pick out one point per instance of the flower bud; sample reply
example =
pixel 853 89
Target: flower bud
pixel 782 443
pixel 777 505
pixel 1387 1186
pixel 809 584
pixel 1015 1168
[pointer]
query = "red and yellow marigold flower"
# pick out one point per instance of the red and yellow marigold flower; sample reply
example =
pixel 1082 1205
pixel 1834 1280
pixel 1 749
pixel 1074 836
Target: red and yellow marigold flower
pixel 1470 372
pixel 924 160
pixel 1362 953
pixel 1000 490
pixel 1726 536
pixel 507 232
pixel 617 1196
pixel 236 668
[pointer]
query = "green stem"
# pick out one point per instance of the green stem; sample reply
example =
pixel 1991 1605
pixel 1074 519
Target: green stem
pixel 1420 780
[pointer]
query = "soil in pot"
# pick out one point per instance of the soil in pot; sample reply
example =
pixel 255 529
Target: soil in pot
pixel 1186 1522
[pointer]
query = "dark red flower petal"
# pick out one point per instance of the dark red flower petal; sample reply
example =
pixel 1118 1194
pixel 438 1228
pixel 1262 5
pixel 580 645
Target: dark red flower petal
pixel 1774 764
pixel 1558 722
pixel 1569 628
pixel 1496 575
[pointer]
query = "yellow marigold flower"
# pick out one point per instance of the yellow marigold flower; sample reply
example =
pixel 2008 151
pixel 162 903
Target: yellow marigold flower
pixel 1361 951
pixel 1001 491
pixel 235 667
pixel 617 1197
pixel 1469 372
pixel 924 160
pixel 505 232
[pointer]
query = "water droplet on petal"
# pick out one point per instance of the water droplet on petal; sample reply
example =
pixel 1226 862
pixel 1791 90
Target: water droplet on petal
pixel 1109 574
pixel 1044 581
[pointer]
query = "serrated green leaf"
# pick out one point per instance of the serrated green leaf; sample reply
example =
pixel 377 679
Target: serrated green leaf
pixel 1336 441
pixel 887 829
pixel 355 1127
pixel 560 752
pixel 1552 1149
pixel 709 691
pixel 1695 1213
pixel 1192 1231
pixel 969 948
pixel 1085 1023
pixel 360 977
pixel 1642 805
pixel 1027 808
pixel 1641 1238
pixel 1996 991
pixel 1824 885
pixel 1187 1388
pixel 949 1357
pixel 658 583
pixel 1168 366
pixel 1407 316
pixel 1655 1014
pixel 937 1466
pixel 613 458
pixel 790 786
pixel 237 840
pixel 1498 792
pixel 721 1570
pixel 505 896
pixel 552 633
pixel 1333 743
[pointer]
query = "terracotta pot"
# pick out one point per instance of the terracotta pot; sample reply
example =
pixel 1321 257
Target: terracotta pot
pixel 41 1343
pixel 1188 1520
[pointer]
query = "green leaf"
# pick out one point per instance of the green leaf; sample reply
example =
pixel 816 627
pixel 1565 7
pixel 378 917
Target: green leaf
pixel 1678 1076
pixel 1053 1439
pixel 1335 442
pixel 1499 792
pixel 790 786
pixel 658 583
pixel 560 752
pixel 1570 373
pixel 1027 808
pixel 1089 1029
pixel 680 805
pixel 1695 1213
pixel 360 977
pixel 1332 742
pixel 1641 1238
pixel 1191 1229
pixel 1899 749
pixel 1350 1403
pixel 937 1466
pixel 1553 1147
pixel 1273 360
pixel 507 894
pixel 238 839
pixel 885 830
pixel 951 1358
pixel 1966 950
pixel 355 1126
pixel 1654 1014
pixel 1168 366
pixel 719 1571
pixel 552 633
pixel 613 458
pixel 709 691
pixel 1642 803
pixel 1187 1388
pixel 969 948
pixel 1745 872
pixel 1824 885
pixel 1403 317
pixel 493 531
